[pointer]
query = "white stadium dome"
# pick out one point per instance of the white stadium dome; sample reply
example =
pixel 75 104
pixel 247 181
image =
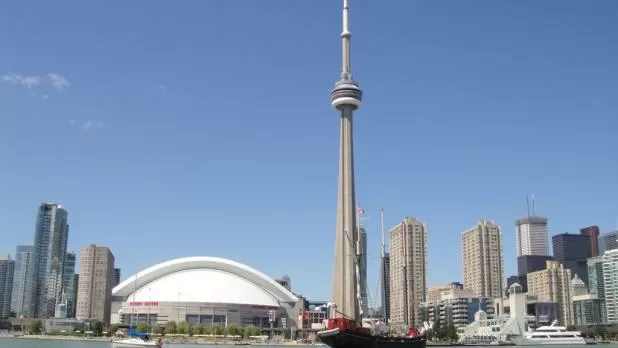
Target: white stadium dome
pixel 205 280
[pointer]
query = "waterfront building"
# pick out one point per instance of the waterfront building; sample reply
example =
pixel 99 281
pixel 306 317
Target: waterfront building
pixel 596 285
pixel 21 299
pixel 7 268
pixel 204 290
pixel 593 233
pixel 96 280
pixel 573 251
pixel 544 312
pixel 610 284
pixel 587 310
pixel 69 285
pixel 455 306
pixel 408 271
pixel 608 241
pixel 531 236
pixel 553 284
pixel 483 259
pixel 434 293
pixel 50 247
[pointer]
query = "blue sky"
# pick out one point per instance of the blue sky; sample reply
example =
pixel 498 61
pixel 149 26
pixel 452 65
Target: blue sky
pixel 189 128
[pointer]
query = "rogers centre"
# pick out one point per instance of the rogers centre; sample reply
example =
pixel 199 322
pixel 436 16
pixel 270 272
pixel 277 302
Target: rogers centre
pixel 204 290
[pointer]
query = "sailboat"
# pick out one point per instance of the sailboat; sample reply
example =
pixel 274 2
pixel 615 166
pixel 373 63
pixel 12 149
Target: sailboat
pixel 344 327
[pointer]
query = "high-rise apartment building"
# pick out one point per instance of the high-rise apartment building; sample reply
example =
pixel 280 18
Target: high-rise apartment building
pixel 553 284
pixel 385 280
pixel 408 271
pixel 96 280
pixel 608 241
pixel 7 267
pixel 610 283
pixel 362 239
pixel 483 259
pixel 68 284
pixel 50 247
pixel 75 289
pixel 21 299
pixel 596 284
pixel 573 251
pixel 531 236
pixel 117 273
pixel 593 233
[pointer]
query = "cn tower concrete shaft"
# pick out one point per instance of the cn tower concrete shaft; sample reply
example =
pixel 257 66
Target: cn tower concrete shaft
pixel 346 97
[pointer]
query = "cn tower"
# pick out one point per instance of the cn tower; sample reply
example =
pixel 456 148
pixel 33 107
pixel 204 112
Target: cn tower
pixel 345 98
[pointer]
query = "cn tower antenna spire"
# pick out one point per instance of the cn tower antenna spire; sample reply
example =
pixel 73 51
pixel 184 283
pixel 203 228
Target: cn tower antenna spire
pixel 346 72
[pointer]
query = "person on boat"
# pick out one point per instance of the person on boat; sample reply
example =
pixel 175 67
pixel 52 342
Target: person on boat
pixel 159 342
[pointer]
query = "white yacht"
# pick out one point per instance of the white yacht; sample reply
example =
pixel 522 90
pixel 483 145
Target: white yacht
pixel 133 342
pixel 551 334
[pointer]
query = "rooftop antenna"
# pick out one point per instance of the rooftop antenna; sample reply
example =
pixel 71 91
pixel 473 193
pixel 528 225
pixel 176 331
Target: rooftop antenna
pixel 527 206
pixel 533 207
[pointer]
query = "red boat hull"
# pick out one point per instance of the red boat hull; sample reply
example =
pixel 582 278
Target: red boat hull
pixel 337 338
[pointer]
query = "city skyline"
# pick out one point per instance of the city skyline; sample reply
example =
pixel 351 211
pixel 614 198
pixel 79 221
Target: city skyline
pixel 146 119
pixel 374 299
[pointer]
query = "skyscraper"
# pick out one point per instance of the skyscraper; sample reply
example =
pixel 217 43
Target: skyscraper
pixel 608 241
pixel 572 251
pixel 386 286
pixel 68 284
pixel 21 299
pixel 117 273
pixel 531 236
pixel 610 275
pixel 50 247
pixel 408 271
pixel 527 264
pixel 593 233
pixel 7 267
pixel 345 98
pixel 483 259
pixel 96 280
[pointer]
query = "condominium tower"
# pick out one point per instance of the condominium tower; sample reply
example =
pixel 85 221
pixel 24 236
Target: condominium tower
pixel 96 280
pixel 21 299
pixel 531 236
pixel 7 267
pixel 408 271
pixel 610 283
pixel 68 284
pixel 483 259
pixel 50 247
